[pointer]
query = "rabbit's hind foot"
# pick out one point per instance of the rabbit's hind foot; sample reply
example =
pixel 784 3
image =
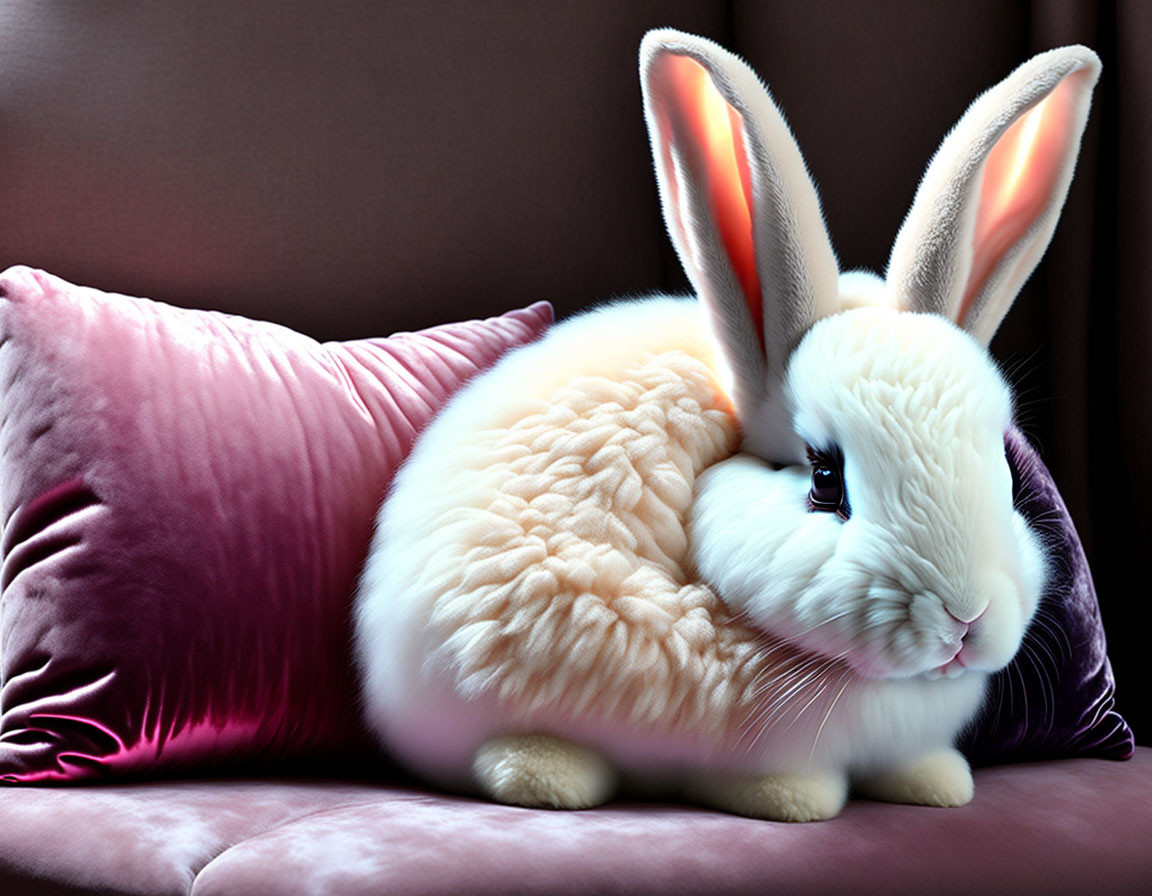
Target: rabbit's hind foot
pixel 541 771
pixel 776 797
pixel 942 778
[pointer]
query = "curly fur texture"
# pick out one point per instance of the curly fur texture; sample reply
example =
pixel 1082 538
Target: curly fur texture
pixel 547 583
pixel 550 568
pixel 541 607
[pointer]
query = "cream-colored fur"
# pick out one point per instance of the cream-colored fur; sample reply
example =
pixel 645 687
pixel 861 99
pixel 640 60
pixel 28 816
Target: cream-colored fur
pixel 543 772
pixel 574 584
pixel 815 796
pixel 532 575
pixel 550 568
pixel 940 779
pixel 536 613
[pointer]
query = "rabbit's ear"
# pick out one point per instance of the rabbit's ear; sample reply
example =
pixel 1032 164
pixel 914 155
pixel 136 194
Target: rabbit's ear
pixel 745 220
pixel 990 199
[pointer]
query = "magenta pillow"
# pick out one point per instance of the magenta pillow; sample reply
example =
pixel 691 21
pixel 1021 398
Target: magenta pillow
pixel 187 498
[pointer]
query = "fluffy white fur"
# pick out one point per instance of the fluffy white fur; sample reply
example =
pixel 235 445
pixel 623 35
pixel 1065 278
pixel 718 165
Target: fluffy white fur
pixel 919 414
pixel 541 608
pixel 531 562
pixel 531 571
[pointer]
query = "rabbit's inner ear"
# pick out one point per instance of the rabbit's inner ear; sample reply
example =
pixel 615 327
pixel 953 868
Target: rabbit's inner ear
pixel 713 148
pixel 1019 178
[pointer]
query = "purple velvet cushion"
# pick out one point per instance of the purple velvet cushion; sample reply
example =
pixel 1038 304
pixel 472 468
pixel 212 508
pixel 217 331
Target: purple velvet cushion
pixel 1056 697
pixel 187 498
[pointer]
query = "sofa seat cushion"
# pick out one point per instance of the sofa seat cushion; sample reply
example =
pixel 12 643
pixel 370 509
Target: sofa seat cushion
pixel 1068 826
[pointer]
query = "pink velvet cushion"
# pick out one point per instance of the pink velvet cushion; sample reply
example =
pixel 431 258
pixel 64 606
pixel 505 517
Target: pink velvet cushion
pixel 187 498
pixel 1073 827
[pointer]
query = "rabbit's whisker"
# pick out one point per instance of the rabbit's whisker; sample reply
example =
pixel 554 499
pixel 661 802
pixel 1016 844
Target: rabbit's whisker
pixel 1047 689
pixel 791 676
pixel 791 687
pixel 843 682
pixel 1048 622
pixel 1023 690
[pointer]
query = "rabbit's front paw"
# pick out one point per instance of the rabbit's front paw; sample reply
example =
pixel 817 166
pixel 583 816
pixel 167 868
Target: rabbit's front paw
pixel 543 772
pixel 779 797
pixel 942 778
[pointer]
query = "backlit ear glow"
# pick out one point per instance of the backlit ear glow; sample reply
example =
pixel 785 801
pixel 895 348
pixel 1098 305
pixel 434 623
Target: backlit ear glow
pixel 715 132
pixel 1019 180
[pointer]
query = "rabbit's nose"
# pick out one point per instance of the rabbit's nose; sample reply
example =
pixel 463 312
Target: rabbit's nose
pixel 964 618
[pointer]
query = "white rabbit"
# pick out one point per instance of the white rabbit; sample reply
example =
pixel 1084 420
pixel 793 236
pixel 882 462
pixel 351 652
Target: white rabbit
pixel 574 578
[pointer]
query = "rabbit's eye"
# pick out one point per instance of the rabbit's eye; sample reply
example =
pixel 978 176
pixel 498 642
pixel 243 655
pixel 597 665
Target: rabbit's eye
pixel 827 492
pixel 827 489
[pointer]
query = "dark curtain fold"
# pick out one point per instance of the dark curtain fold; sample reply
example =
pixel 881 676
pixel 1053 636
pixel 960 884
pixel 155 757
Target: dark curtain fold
pixel 1115 473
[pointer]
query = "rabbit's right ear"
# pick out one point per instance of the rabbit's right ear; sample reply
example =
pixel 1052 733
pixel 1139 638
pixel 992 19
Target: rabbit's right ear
pixel 745 220
pixel 990 199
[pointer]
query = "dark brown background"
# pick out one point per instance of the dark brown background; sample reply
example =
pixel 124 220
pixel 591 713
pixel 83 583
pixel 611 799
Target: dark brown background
pixel 357 168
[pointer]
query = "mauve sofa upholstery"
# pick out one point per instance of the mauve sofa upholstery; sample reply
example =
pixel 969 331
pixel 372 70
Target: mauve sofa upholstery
pixel 1068 827
pixel 355 169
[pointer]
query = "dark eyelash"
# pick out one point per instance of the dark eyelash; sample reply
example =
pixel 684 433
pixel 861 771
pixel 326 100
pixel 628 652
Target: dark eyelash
pixel 830 456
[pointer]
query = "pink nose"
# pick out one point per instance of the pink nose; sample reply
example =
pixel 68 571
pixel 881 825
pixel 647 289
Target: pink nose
pixel 966 621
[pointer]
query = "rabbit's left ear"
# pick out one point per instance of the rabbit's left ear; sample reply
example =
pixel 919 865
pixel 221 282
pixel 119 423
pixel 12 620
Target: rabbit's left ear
pixel 989 201
pixel 744 218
